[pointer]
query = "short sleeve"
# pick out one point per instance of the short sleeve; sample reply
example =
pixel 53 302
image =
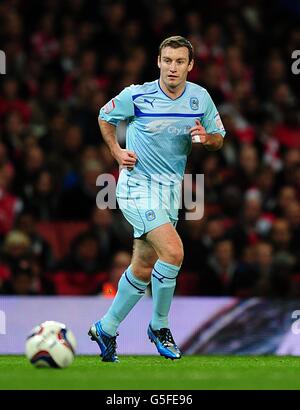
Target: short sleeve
pixel 118 108
pixel 211 120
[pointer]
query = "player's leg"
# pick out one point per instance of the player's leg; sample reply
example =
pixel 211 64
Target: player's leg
pixel 168 246
pixel 132 286
pixel 143 259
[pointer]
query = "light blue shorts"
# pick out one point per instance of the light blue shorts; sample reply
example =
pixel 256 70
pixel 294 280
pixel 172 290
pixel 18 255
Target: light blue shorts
pixel 147 205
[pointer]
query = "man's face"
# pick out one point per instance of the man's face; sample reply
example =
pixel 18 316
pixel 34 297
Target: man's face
pixel 174 66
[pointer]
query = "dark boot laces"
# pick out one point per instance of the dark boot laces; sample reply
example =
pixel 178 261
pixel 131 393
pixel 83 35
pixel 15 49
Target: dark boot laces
pixel 111 346
pixel 166 337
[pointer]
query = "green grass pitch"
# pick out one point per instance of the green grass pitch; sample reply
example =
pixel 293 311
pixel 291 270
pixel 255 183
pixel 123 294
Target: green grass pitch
pixel 155 372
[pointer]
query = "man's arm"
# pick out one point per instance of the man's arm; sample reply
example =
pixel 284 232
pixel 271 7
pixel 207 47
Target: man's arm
pixel 212 142
pixel 124 157
pixel 210 130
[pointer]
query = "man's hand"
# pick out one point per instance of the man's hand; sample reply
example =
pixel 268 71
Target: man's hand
pixel 124 157
pixel 211 142
pixel 198 133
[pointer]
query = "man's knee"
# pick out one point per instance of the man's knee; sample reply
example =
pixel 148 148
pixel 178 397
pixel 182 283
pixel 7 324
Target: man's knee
pixel 167 244
pixel 173 254
pixel 143 260
pixel 142 271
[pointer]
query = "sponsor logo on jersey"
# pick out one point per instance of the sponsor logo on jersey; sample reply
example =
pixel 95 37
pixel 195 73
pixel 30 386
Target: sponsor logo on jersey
pixel 159 125
pixel 194 103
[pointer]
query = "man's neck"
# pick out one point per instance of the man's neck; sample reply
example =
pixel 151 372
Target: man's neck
pixel 172 92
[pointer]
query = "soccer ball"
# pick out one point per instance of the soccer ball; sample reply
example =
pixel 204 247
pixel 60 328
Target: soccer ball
pixel 51 344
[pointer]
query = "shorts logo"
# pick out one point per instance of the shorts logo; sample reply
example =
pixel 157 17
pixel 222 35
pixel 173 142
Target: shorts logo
pixel 194 103
pixel 150 215
pixel 109 106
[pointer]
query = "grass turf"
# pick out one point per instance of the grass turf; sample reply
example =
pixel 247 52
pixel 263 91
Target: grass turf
pixel 154 372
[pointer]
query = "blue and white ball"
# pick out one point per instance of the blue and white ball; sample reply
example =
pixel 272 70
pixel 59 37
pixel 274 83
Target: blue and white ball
pixel 51 344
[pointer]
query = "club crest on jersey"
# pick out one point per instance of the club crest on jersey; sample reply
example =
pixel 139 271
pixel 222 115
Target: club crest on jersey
pixel 150 215
pixel 194 103
pixel 109 106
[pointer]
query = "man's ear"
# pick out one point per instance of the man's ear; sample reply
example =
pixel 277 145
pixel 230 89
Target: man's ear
pixel 158 61
pixel 191 65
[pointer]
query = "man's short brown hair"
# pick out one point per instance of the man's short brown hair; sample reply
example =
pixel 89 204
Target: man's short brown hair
pixel 176 42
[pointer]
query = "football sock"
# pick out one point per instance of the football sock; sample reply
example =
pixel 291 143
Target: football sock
pixel 163 285
pixel 130 291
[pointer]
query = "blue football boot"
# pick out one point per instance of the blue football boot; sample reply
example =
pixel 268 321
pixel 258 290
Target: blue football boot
pixel 107 343
pixel 164 343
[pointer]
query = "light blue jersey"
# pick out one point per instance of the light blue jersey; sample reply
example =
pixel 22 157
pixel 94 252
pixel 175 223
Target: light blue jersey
pixel 158 132
pixel 158 127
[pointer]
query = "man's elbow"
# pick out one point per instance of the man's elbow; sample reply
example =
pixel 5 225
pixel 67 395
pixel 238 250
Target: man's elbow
pixel 103 124
pixel 218 141
pixel 100 122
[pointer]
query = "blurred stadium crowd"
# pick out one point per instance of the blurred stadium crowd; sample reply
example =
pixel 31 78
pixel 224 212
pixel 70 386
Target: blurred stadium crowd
pixel 65 59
